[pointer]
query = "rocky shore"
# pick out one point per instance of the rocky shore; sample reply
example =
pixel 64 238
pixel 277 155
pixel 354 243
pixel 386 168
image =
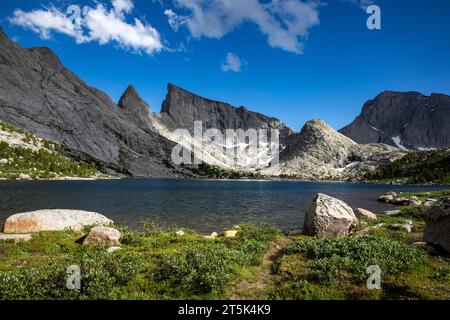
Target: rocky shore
pixel 328 259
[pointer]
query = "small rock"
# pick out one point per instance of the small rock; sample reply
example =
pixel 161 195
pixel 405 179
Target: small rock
pixel 3 161
pixel 414 201
pixel 212 235
pixel 102 235
pixel 359 212
pixel 24 176
pixel 392 213
pixel 429 202
pixel 16 237
pixel 407 226
pixel 230 233
pixel 179 233
pixel 113 249
pixel 236 227
pixel 401 201
pixel 386 198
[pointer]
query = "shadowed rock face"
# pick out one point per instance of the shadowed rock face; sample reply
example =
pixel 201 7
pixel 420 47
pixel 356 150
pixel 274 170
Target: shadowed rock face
pixel 136 109
pixel 38 94
pixel 407 120
pixel 181 108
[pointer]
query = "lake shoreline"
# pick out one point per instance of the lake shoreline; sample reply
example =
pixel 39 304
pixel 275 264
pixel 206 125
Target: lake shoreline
pixel 251 262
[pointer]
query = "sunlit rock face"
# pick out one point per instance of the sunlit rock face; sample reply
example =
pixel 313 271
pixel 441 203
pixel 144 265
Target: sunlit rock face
pixel 320 152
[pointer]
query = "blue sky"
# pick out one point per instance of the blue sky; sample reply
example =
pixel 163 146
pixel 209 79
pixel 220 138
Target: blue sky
pixel 286 58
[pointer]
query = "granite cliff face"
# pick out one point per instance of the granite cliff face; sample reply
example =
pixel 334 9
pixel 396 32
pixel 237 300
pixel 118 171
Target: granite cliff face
pixel 136 110
pixel 181 108
pixel 408 120
pixel 39 94
pixel 319 152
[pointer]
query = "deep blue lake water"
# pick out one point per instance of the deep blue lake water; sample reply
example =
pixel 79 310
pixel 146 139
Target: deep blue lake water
pixel 203 205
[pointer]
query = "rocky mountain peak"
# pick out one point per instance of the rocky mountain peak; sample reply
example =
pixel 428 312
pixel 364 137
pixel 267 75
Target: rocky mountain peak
pixel 182 108
pixel 407 120
pixel 135 108
pixel 130 100
pixel 3 34
pixel 318 132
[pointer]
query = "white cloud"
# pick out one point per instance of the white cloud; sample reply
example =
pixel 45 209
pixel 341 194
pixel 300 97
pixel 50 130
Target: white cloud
pixel 122 6
pixel 45 22
pixel 232 63
pixel 363 4
pixel 98 24
pixel 284 22
pixel 175 21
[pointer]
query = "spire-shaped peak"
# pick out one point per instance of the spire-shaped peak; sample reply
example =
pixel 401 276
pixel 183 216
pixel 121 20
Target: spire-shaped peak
pixel 131 100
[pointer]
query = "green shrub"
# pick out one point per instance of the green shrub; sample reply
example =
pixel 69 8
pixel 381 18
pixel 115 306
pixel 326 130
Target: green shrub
pixel 334 258
pixel 102 277
pixel 263 233
pixel 413 212
pixel 131 237
pixel 200 270
pixel 442 274
pixel 417 167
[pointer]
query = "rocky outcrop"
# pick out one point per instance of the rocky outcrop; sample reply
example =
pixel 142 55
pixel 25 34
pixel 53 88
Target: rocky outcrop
pixel 328 216
pixel 393 198
pixel 103 235
pixel 38 94
pixel 408 120
pixel 437 228
pixel 53 220
pixel 320 152
pixel 363 213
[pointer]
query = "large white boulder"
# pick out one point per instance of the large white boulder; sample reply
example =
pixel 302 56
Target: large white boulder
pixel 53 220
pixel 328 216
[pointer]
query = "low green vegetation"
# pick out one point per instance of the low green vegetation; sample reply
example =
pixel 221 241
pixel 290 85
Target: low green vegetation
pixel 215 172
pixel 334 259
pixel 41 162
pixel 416 168
pixel 258 263
pixel 152 264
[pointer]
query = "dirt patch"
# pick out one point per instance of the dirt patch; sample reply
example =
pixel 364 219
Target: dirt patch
pixel 3 253
pixel 258 284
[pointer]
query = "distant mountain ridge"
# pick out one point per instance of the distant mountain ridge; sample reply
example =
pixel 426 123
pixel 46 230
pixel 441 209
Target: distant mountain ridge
pixel 407 120
pixel 39 94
